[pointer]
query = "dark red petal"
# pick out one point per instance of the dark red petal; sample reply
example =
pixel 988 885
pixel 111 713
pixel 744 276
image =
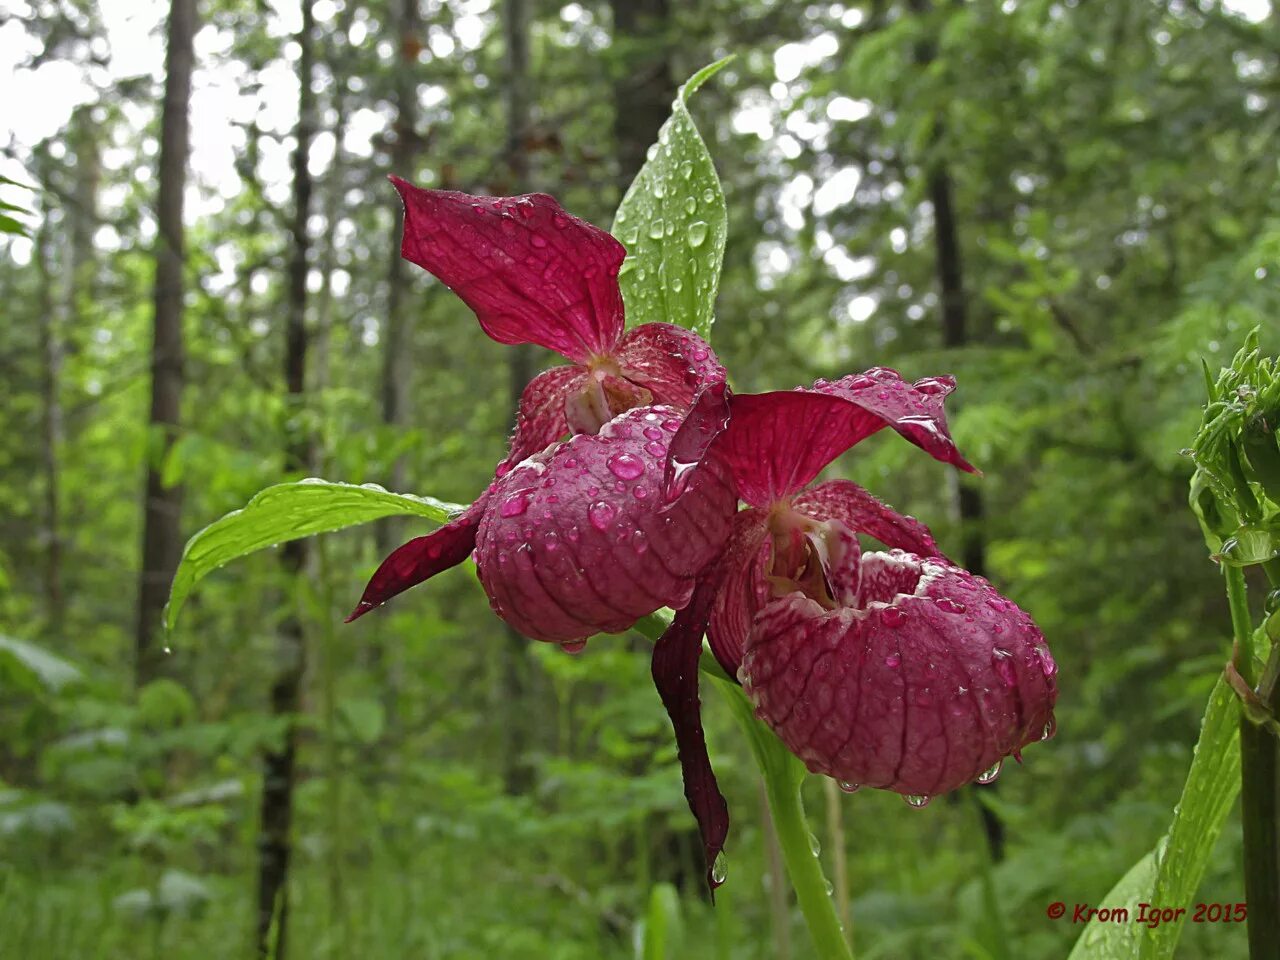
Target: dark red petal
pixel 541 420
pixel 707 419
pixel 671 362
pixel 422 558
pixel 743 588
pixel 777 442
pixel 675 673
pixel 844 500
pixel 578 540
pixel 931 682
pixel 531 272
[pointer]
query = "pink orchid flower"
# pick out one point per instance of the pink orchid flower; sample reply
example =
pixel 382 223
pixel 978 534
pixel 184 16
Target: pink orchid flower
pixel 896 670
pixel 572 538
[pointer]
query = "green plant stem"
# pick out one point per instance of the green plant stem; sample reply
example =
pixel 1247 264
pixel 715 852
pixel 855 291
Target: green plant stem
pixel 1259 793
pixel 1241 624
pixel 783 775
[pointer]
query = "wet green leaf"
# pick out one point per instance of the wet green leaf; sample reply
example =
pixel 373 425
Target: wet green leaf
pixel 673 223
pixel 1171 873
pixel 291 511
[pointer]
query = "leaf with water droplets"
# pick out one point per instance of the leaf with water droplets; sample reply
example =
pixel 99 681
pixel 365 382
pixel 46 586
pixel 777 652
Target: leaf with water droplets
pixel 1171 874
pixel 675 225
pixel 291 511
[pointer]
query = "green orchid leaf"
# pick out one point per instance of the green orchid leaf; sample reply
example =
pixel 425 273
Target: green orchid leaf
pixel 291 511
pixel 673 223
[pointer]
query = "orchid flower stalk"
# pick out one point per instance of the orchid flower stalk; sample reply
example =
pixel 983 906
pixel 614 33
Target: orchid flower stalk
pixel 1235 494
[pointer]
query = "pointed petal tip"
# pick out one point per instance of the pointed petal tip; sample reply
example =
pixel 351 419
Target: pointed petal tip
pixel 361 609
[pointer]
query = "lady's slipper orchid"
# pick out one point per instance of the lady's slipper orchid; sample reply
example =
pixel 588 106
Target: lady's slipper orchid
pixel 894 669
pixel 578 540
pixel 534 274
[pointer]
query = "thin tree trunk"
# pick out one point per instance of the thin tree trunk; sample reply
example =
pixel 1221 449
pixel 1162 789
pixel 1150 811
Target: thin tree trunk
pixel 51 433
pixel 779 885
pixel 516 773
pixel 397 361
pixel 839 858
pixel 81 265
pixel 949 267
pixel 161 531
pixel 279 766
pixel 642 88
pixel 395 354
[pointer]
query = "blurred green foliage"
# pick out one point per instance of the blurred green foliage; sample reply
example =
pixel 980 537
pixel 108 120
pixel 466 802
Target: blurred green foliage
pixel 1115 190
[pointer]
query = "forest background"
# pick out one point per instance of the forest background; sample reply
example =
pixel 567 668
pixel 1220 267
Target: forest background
pixel 1065 204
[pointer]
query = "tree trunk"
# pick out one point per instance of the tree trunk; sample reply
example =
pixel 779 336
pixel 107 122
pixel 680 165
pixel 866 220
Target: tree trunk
pixel 51 432
pixel 279 766
pixel 642 88
pixel 517 776
pixel 161 531
pixel 949 267
pixel 396 353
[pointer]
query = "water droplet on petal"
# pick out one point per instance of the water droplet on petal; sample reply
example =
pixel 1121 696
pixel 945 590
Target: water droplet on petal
pixel 892 660
pixel 657 229
pixel 671 425
pixel 917 800
pixel 720 868
pixel 1047 664
pixel 892 617
pixel 1050 729
pixel 653 433
pixel 849 787
pixel 601 514
pixel 656 449
pixel 950 606
pixel 828 885
pixel 1003 665
pixel 814 846
pixel 697 234
pixel 538 241
pixel 515 505
pixel 989 775
pixel 573 646
pixel 708 195
pixel 626 466
pixel 640 492
pixel 690 205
